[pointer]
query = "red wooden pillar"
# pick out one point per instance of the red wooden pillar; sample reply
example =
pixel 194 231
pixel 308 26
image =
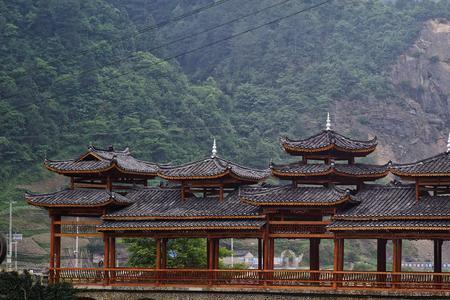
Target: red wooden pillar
pixel 163 253
pixel 314 257
pixel 112 257
pixel 216 253
pixel 381 259
pixel 338 260
pixel 158 254
pixel 396 260
pixel 438 262
pixel 397 256
pixel 260 254
pixel 106 257
pixel 55 248
pixel 112 252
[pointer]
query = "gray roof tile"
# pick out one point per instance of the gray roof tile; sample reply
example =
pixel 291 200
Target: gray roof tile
pixel 81 198
pixel 289 195
pixel 167 202
pixel 182 224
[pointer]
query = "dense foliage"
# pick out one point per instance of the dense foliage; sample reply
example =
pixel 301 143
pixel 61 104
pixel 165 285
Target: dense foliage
pixel 14 286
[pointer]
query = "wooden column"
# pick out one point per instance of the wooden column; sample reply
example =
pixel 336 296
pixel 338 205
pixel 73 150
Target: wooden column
pixel 112 252
pixel 438 262
pixel 338 260
pixel 396 260
pixel 112 258
pixel 163 253
pixel 397 256
pixel 314 256
pixel 216 253
pixel 260 254
pixel 381 255
pixel 210 249
pixel 381 260
pixel 106 257
pixel 271 253
pixel 158 254
pixel 438 256
pixel 55 248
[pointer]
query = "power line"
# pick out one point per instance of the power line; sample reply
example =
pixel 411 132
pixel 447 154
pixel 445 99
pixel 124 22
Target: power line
pixel 114 62
pixel 166 59
pixel 145 29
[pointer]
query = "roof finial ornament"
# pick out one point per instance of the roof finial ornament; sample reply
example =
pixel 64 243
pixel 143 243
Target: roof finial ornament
pixel 448 143
pixel 328 125
pixel 214 149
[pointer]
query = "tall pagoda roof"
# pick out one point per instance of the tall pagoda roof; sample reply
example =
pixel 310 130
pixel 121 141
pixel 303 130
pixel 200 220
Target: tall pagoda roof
pixel 296 196
pixel 438 165
pixel 328 141
pixel 96 160
pixel 162 203
pixel 78 198
pixel 299 169
pixel 213 167
pixel 164 225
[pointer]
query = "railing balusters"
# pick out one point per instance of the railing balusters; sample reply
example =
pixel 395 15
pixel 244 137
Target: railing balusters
pixel 346 279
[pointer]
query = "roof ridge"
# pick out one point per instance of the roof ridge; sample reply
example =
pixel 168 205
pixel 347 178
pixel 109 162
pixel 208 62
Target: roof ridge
pixel 427 159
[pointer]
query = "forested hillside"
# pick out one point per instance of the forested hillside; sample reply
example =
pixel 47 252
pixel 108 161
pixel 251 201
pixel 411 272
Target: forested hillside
pixel 78 72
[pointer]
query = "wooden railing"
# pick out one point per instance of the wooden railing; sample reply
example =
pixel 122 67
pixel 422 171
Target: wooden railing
pixel 293 278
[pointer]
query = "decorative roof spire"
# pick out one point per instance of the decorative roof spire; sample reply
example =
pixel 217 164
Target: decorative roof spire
pixel 328 125
pixel 448 143
pixel 214 149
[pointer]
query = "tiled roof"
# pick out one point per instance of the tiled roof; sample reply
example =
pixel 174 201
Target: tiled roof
pixel 390 225
pixel 352 170
pixel 327 140
pixel 211 168
pixel 396 202
pixel 182 225
pixel 289 195
pixel 153 203
pixel 80 198
pixel 438 165
pixel 99 160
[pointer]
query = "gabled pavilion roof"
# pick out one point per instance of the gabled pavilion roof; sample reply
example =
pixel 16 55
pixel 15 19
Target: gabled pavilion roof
pixel 77 198
pixel 164 225
pixel 167 203
pixel 328 141
pixel 296 196
pixel 396 202
pixel 96 160
pixel 438 165
pixel 300 169
pixel 394 208
pixel 213 167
